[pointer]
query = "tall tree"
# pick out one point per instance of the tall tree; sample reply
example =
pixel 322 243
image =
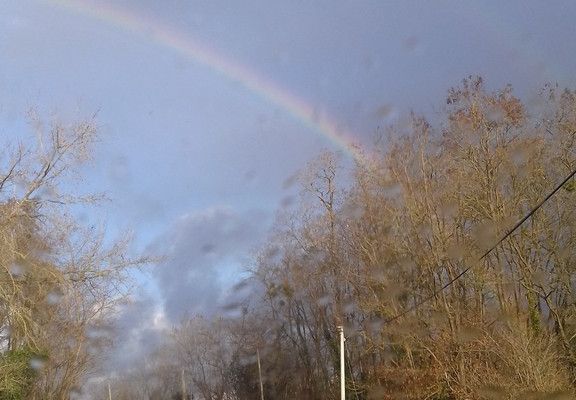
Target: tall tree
pixel 59 282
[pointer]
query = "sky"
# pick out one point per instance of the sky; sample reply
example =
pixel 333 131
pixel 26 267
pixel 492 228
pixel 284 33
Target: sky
pixel 207 108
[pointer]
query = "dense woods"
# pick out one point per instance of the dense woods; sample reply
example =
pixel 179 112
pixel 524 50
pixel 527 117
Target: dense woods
pixel 369 248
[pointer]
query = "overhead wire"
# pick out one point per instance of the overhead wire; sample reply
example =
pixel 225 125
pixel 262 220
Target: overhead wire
pixel 509 232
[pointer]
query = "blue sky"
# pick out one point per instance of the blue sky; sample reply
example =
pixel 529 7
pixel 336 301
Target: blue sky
pixel 193 161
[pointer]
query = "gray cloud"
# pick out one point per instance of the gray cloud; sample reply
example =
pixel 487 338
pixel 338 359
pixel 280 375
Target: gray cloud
pixel 138 330
pixel 205 256
pixel 206 252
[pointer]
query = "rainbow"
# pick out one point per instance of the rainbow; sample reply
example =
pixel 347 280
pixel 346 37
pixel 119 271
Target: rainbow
pixel 193 49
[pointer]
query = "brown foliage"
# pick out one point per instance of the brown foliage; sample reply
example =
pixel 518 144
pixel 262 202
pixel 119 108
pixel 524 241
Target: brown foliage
pixel 417 215
pixel 428 202
pixel 59 283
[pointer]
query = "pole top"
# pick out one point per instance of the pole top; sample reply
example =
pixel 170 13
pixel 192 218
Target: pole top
pixel 340 328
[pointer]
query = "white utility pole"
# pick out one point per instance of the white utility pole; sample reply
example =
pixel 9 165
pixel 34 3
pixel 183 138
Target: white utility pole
pixel 260 375
pixel 109 392
pixel 183 386
pixel 342 374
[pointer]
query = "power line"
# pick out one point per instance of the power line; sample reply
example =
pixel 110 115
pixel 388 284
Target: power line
pixel 465 270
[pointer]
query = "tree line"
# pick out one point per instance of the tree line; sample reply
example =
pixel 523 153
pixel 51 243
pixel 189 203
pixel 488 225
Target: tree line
pixel 380 248
pixel 393 250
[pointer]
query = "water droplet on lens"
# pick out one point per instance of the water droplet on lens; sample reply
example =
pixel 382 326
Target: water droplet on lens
pixel 240 285
pixel 37 363
pixel 75 393
pixel 353 211
pixel 411 43
pixel 287 202
pixel 207 248
pixel 377 393
pixel 349 306
pixel 289 182
pixel 17 271
pixel 324 301
pixel 455 252
pixel 250 176
pixel 492 392
pixel 54 297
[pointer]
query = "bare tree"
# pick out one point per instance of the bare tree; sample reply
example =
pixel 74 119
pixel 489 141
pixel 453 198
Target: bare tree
pixel 59 282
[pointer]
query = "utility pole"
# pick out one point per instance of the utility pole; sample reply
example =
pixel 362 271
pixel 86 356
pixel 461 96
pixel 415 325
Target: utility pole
pixel 260 375
pixel 342 374
pixel 109 392
pixel 183 385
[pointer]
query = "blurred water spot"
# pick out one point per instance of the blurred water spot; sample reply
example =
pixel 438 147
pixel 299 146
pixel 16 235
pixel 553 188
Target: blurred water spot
pixel 495 115
pixel 411 43
pixel 47 193
pixel 316 115
pixel 469 334
pixel 287 202
pixel 282 56
pixel 248 360
pixel 424 230
pixel 324 300
pixel 407 264
pixel 520 155
pixel 389 354
pixel 369 63
pixel 290 181
pixel 455 251
pixel 234 310
pixel 541 68
pixel 83 218
pixel 242 285
pixel 537 395
pixel 208 248
pixel 378 274
pixel 394 290
pixel 384 111
pixel 118 170
pixel 437 317
pixel 377 393
pixel 231 227
pixel 17 270
pixel 75 393
pixel 375 326
pixel 540 277
pixel 352 211
pixel 181 63
pixel 96 333
pixel 250 176
pixel 349 306
pixel 273 254
pixel 408 328
pixel 448 209
pixel 485 235
pixel 54 297
pixel 71 343
pixel 232 306
pixel 37 363
pixel 559 395
pixel 316 255
pixel 492 392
